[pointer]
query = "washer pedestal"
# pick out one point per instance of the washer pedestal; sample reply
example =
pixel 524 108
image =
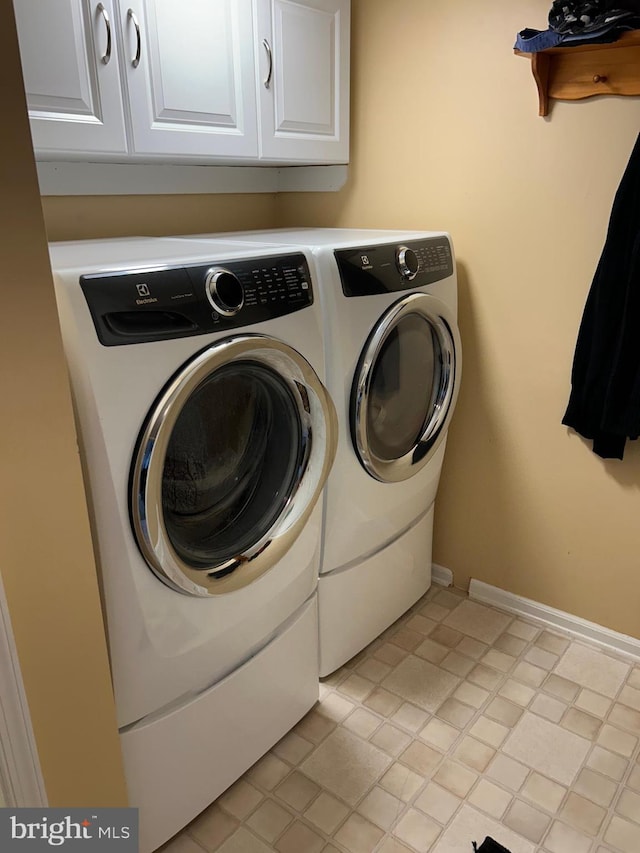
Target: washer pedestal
pixel 358 603
pixel 178 764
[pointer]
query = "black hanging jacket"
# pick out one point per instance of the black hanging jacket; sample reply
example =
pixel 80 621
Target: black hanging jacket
pixel 604 404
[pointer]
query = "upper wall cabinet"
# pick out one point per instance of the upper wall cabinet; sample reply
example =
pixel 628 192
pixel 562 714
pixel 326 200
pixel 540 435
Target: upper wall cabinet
pixel 70 68
pixel 303 57
pixel 200 81
pixel 190 77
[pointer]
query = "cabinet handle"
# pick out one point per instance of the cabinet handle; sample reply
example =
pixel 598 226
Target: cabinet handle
pixel 102 11
pixel 599 78
pixel 136 59
pixel 267 79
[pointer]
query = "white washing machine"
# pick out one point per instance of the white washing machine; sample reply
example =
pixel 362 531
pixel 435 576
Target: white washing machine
pixel 393 363
pixel 207 435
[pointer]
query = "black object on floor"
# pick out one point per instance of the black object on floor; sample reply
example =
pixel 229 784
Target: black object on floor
pixel 489 845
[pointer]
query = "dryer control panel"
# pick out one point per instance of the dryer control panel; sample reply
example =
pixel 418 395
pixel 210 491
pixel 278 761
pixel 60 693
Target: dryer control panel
pixel 160 304
pixel 391 267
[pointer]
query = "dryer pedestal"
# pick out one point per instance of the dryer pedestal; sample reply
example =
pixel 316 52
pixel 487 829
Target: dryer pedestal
pixel 358 603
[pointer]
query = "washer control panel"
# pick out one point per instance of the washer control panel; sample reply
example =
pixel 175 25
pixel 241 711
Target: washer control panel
pixel 160 304
pixel 393 267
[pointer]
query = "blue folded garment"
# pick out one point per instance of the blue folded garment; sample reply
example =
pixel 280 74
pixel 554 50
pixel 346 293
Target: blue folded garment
pixel 531 41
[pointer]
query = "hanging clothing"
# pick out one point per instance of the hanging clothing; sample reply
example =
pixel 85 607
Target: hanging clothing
pixel 604 404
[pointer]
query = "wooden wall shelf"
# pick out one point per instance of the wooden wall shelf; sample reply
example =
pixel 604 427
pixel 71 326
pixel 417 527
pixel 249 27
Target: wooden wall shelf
pixel 572 73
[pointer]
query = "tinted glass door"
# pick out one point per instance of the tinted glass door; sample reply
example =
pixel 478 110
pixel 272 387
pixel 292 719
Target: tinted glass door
pixel 405 387
pixel 230 464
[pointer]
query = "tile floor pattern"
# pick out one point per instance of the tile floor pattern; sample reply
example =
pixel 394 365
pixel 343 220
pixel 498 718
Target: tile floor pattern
pixel 460 721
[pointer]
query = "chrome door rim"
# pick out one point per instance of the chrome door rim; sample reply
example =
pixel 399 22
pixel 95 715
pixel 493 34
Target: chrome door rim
pixel 319 437
pixel 443 323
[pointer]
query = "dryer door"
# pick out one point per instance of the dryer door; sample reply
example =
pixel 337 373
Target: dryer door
pixel 405 387
pixel 230 464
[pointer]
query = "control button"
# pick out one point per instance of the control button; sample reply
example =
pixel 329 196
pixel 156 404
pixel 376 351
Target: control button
pixel 407 262
pixel 224 291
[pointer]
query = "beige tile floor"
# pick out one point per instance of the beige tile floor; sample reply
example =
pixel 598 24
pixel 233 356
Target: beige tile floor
pixel 460 721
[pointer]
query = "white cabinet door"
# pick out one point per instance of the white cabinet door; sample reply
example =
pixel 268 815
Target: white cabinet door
pixel 70 69
pixel 303 61
pixel 192 92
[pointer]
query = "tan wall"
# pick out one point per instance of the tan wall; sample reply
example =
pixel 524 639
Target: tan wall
pixel 87 217
pixel 46 557
pixel 446 135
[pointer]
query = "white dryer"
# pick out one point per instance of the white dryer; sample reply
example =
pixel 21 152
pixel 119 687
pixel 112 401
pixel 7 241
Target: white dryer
pixel 393 367
pixel 206 436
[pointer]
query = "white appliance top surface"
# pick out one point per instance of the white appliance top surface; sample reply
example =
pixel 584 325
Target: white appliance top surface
pixel 131 252
pixel 318 237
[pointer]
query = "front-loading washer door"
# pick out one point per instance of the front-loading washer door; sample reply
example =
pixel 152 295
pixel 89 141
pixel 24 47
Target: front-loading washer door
pixel 230 463
pixel 405 387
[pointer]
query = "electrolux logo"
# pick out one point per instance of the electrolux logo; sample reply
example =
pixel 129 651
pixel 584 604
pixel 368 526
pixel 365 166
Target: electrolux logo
pixel 144 295
pixel 100 830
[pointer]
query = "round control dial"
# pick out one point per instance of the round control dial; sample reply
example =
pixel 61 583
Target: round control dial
pixel 224 291
pixel 407 262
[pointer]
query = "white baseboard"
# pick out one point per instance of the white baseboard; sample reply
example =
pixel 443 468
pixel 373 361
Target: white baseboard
pixel 441 575
pixel 567 623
